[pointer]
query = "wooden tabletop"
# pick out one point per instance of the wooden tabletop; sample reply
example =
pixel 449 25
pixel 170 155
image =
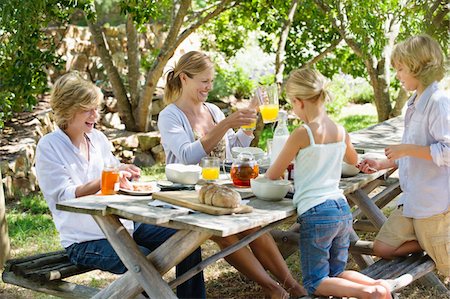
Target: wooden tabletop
pixel 377 137
pixel 136 208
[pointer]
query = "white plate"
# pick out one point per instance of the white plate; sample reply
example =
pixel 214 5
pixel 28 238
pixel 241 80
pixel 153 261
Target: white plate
pixel 143 192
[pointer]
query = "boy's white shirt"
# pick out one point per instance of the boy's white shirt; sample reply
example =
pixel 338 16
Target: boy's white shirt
pixel 426 184
pixel 60 169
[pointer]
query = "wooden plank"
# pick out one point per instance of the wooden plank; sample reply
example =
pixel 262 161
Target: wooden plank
pixel 221 254
pixel 189 199
pixel 163 258
pixel 360 180
pixel 4 238
pixel 97 204
pixel 141 211
pixel 21 267
pixel 58 288
pixel 264 213
pixel 136 263
pixel 377 137
pixel 361 247
pixel 372 212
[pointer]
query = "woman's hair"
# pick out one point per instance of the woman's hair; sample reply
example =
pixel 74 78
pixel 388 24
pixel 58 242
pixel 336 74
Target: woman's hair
pixel 192 63
pixel 308 84
pixel 71 93
pixel 423 57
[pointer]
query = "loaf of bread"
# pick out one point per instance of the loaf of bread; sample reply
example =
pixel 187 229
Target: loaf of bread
pixel 219 196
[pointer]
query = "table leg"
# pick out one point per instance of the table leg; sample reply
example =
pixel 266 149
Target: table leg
pixel 136 263
pixel 162 258
pixel 376 216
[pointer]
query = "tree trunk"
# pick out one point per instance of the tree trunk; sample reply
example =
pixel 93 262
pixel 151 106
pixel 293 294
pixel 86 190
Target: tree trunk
pixel 399 103
pixel 281 51
pixel 381 93
pixel 133 63
pixel 4 238
pixel 113 75
pixel 169 47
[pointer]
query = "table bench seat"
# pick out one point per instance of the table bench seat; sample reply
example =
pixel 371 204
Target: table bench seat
pixel 45 273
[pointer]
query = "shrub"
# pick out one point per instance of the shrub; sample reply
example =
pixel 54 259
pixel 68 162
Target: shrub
pixel 234 82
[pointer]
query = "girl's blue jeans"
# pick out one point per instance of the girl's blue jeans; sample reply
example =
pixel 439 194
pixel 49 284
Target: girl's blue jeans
pixel 100 254
pixel 324 241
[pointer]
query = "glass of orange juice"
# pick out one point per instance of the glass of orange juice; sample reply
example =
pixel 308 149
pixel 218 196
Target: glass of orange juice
pixel 268 98
pixel 110 179
pixel 210 168
pixel 250 127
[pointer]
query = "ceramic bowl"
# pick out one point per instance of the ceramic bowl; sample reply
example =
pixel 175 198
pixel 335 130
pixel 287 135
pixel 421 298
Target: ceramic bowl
pixel 255 151
pixel 183 174
pixel 349 170
pixel 271 190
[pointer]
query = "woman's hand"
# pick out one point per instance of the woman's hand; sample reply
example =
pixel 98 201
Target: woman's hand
pixel 241 117
pixel 369 165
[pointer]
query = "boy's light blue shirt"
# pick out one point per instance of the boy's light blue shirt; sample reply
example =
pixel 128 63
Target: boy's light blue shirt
pixel 426 184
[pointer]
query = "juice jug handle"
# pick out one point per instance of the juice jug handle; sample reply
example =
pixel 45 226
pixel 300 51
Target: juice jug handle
pixel 227 161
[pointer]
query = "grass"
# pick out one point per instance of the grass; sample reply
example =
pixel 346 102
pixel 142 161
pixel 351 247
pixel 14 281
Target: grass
pixel 351 123
pixel 32 231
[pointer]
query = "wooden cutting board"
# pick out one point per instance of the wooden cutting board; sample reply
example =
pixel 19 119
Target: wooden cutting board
pixel 189 199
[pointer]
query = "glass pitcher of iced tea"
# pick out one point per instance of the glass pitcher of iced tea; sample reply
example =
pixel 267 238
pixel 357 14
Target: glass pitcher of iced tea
pixel 243 169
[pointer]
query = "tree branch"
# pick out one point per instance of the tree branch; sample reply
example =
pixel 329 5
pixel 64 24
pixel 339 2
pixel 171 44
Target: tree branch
pixel 279 57
pixel 340 27
pixel 145 104
pixel 325 52
pixel 133 61
pixel 113 74
pixel 221 7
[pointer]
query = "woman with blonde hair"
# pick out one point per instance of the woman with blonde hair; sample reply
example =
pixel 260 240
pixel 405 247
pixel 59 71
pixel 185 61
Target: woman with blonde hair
pixel 191 129
pixel 69 164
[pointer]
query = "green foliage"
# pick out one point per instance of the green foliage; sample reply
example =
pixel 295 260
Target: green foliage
pixel 34 204
pixel 22 59
pixel 360 92
pixel 231 82
pixel 340 93
pixel 357 122
pixel 155 172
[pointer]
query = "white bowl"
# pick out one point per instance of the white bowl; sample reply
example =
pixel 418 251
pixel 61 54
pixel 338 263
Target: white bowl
pixel 271 190
pixel 255 151
pixel 349 170
pixel 183 174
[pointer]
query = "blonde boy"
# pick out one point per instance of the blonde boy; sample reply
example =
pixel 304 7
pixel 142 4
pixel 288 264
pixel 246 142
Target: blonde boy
pixel 422 218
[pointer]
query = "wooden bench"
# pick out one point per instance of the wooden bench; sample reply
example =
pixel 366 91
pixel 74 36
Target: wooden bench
pixel 45 273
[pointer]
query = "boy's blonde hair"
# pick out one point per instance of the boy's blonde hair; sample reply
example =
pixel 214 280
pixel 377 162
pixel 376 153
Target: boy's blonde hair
pixel 423 57
pixel 192 63
pixel 71 93
pixel 308 84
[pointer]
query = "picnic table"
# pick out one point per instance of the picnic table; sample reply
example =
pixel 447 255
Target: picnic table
pixel 193 230
pixel 145 273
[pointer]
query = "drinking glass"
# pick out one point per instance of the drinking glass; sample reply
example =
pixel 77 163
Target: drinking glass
pixel 110 178
pixel 250 127
pixel 268 99
pixel 210 168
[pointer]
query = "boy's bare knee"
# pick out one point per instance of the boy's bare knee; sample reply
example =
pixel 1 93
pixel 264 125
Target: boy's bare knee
pixel 382 250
